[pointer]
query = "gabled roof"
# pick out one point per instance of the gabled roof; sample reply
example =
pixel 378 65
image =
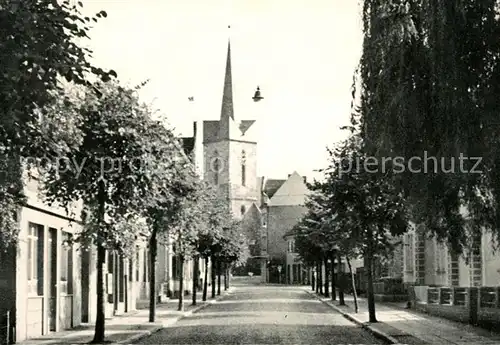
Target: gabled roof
pixel 252 218
pixel 271 186
pixel 291 193
pixel 245 125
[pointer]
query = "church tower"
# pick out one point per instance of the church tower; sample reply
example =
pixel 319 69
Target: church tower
pixel 230 153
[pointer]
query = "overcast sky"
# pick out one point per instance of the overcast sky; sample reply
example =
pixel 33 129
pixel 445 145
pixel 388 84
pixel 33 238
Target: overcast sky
pixel 301 53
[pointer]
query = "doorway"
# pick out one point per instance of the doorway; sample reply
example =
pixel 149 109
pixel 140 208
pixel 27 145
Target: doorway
pixel 52 279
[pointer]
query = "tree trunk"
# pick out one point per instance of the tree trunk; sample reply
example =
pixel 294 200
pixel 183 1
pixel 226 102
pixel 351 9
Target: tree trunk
pixel 100 319
pixel 219 273
pixel 212 275
pixel 153 250
pixel 369 278
pixel 332 272
pixel 313 280
pixel 100 325
pixel 226 276
pixel 341 282
pixel 196 262
pixel 327 281
pixel 320 280
pixel 317 278
pixel 115 278
pixel 353 282
pixel 205 280
pixel 181 284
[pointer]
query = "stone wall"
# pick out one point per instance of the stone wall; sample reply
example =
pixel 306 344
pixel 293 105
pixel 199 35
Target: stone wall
pixel 473 305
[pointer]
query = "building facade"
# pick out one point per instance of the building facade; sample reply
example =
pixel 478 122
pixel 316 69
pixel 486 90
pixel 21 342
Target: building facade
pixel 225 152
pixel 428 262
pixel 48 284
pixel 283 207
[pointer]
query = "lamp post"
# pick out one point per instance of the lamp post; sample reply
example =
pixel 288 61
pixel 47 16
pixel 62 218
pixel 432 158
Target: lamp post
pixel 257 97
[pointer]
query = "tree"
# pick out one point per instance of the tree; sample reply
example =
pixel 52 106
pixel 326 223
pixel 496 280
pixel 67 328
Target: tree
pixel 308 249
pixel 429 85
pixel 368 209
pixel 113 148
pixel 234 248
pixel 189 220
pixel 315 235
pixel 175 182
pixel 208 242
pixel 38 46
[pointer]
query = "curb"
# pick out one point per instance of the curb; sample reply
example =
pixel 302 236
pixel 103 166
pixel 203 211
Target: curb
pixel 365 325
pixel 146 334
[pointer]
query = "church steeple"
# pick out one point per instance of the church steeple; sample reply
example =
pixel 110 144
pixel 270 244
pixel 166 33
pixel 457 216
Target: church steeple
pixel 227 110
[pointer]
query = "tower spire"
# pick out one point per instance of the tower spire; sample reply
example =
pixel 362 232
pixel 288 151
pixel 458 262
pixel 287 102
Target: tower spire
pixel 227 110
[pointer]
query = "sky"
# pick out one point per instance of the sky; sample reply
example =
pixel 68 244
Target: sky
pixel 302 54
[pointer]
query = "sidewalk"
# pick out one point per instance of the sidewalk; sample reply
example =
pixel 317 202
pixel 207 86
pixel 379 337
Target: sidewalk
pixel 128 328
pixel 398 325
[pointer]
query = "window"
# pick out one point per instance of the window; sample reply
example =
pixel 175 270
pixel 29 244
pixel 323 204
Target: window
pixel 408 253
pixel 35 259
pixel 264 220
pixel 121 273
pixel 130 270
pixel 137 263
pixel 453 269
pixel 216 167
pixel 146 266
pixel 32 252
pixel 291 246
pixel 243 210
pixel 176 267
pixel 440 255
pixel 243 168
pixel 66 277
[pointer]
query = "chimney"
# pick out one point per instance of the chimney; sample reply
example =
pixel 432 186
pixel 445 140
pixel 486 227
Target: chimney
pixel 194 129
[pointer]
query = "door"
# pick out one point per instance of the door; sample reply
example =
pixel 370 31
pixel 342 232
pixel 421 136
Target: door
pixel 52 279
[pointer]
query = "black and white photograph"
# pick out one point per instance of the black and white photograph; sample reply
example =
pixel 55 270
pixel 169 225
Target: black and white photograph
pixel 250 172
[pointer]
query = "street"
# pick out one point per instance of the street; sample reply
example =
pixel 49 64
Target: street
pixel 260 314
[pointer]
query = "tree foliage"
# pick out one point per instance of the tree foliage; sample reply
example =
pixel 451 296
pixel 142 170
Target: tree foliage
pixel 234 244
pixel 115 159
pixel 429 83
pixel 221 236
pixel 313 237
pixel 355 211
pixel 38 46
pixel 366 207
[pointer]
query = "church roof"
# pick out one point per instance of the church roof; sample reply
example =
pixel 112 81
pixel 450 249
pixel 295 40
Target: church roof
pixel 245 125
pixel 227 127
pixel 227 109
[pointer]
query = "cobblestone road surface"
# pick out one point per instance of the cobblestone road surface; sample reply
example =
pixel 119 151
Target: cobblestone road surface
pixel 264 315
